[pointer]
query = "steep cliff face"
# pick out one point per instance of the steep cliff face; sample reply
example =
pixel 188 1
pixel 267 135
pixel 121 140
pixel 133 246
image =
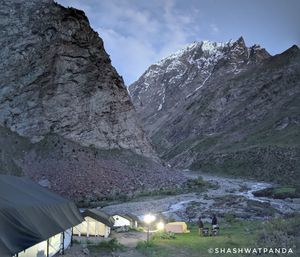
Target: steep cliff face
pixel 65 114
pixel 56 77
pixel 230 108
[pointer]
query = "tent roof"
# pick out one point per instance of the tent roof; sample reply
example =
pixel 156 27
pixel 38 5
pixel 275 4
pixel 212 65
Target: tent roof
pixel 128 216
pixel 30 214
pixel 99 216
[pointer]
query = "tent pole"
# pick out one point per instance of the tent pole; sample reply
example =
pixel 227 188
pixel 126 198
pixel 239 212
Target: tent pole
pixel 72 236
pixel 63 243
pixel 47 247
pixel 88 229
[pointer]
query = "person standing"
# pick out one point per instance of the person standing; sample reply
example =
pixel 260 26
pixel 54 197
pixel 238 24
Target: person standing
pixel 214 221
pixel 200 226
pixel 215 226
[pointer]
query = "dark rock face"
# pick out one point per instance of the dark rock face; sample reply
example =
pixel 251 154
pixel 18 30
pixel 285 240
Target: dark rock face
pixel 56 77
pixel 61 101
pixel 224 107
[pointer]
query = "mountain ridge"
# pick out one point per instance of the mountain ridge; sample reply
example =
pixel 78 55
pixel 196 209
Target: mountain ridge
pixel 239 103
pixel 189 71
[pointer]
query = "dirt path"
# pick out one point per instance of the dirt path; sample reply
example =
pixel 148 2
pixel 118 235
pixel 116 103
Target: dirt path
pixel 130 239
pixel 80 251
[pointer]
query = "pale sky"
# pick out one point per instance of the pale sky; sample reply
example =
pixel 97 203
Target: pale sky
pixel 137 33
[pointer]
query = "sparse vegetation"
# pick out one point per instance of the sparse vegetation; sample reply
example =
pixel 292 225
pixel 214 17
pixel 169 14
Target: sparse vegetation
pixel 281 233
pixel 110 245
pixel 152 249
pixel 164 235
pixel 262 209
pixel 191 185
pixel 229 217
pixel 145 244
pixel 254 162
pixel 278 192
pixel 12 149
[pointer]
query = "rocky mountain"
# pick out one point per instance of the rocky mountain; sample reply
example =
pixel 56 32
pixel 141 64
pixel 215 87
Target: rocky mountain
pixel 61 101
pixel 175 79
pixel 224 107
pixel 62 78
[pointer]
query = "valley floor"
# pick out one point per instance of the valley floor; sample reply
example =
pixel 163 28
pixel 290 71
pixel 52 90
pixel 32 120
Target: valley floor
pixel 246 221
pixel 233 235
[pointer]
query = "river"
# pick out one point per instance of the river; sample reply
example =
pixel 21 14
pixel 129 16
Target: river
pixel 231 195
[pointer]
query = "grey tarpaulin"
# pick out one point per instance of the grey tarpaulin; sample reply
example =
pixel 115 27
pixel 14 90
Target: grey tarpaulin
pixel 30 214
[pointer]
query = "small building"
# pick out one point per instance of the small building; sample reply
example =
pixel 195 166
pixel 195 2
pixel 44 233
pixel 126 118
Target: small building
pixel 96 223
pixel 176 227
pixel 125 220
pixel 34 222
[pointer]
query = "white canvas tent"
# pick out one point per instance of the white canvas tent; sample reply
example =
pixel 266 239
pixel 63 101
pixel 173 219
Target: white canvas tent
pixel 125 220
pixel 96 223
pixel 49 247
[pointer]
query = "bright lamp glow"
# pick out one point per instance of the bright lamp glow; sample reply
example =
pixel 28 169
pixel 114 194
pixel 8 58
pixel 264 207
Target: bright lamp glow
pixel 160 226
pixel 149 218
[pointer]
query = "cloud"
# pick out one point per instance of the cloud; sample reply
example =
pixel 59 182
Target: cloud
pixel 214 29
pixel 138 33
pixel 131 56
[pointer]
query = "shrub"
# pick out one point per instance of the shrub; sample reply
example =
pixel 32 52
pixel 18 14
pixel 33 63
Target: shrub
pixel 111 245
pixel 164 235
pixel 141 245
pixel 195 182
pixel 278 192
pixel 285 192
pixel 281 233
pixel 229 217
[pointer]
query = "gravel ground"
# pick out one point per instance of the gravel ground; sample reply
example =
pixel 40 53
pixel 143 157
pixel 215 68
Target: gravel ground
pixel 127 239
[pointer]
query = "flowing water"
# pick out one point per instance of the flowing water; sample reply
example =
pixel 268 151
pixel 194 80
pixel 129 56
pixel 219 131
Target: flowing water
pixel 231 195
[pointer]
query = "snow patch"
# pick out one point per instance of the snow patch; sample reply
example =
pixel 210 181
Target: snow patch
pixel 204 81
pixel 163 99
pixel 206 46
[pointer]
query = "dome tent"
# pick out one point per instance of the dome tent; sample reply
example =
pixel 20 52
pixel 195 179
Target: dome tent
pixel 176 227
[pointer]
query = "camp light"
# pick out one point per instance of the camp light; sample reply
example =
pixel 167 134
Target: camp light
pixel 149 218
pixel 160 226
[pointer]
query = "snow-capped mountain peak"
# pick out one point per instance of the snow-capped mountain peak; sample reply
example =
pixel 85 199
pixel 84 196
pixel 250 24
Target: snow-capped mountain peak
pixel 207 46
pixel 182 74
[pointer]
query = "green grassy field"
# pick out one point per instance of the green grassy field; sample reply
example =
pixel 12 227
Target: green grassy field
pixel 236 234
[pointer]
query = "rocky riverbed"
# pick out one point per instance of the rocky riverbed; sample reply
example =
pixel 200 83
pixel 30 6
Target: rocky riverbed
pixel 230 197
